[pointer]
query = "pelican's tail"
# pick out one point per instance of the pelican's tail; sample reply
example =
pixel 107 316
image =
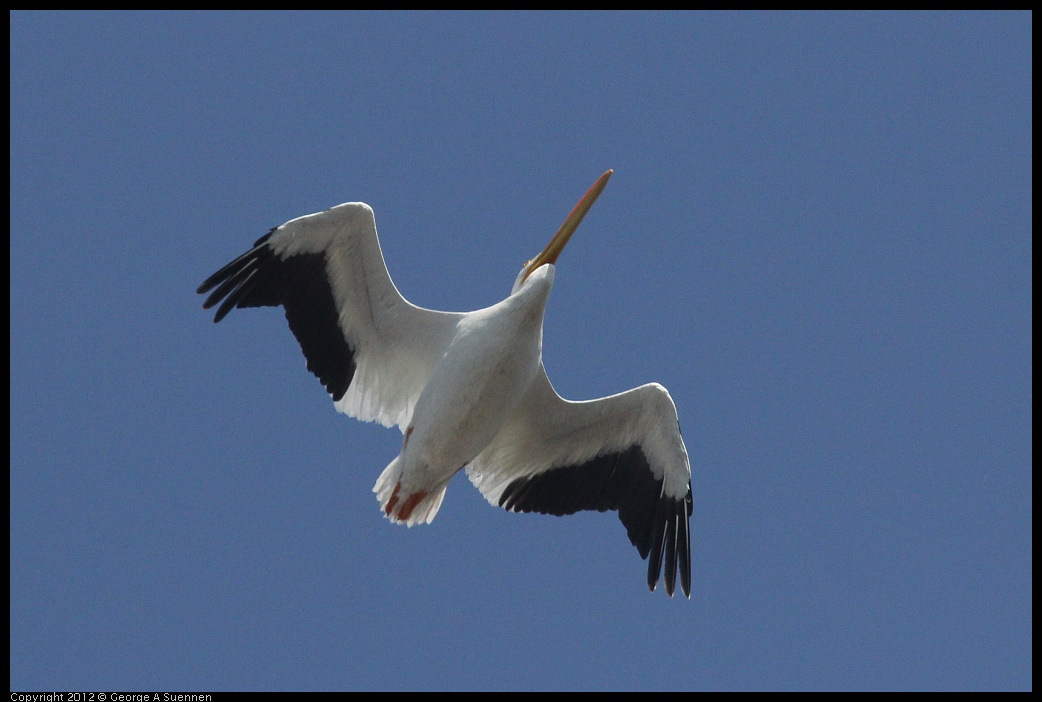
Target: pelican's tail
pixel 401 506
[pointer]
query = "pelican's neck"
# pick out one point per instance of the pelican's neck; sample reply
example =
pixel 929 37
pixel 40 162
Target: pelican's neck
pixel 542 276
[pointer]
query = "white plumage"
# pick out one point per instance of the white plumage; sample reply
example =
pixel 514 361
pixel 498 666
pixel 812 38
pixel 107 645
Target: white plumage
pixel 468 390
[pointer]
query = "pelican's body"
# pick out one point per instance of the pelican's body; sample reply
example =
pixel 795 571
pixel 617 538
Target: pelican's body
pixel 473 390
pixel 468 390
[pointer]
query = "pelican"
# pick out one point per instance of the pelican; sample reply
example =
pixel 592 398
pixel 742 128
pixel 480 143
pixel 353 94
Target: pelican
pixel 468 390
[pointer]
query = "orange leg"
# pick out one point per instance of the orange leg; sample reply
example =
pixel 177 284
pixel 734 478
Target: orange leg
pixel 410 504
pixel 394 499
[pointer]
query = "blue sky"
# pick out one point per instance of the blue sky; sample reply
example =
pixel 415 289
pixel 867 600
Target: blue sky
pixel 818 237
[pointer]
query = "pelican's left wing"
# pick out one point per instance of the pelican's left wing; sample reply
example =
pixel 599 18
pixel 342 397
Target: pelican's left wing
pixel 622 453
pixel 371 349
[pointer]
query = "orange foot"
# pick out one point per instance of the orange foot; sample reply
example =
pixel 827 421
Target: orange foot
pixel 408 506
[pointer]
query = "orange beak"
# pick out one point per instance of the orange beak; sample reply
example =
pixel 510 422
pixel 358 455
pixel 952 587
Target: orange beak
pixel 571 223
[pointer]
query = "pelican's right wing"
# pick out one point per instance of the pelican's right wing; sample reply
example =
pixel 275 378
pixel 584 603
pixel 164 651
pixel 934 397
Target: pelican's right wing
pixel 622 453
pixel 371 349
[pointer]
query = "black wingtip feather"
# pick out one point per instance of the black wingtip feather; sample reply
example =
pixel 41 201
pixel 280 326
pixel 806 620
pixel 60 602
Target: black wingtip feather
pixel 684 550
pixel 655 556
pixel 671 556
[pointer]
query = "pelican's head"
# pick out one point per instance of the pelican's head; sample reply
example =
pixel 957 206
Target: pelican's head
pixel 571 223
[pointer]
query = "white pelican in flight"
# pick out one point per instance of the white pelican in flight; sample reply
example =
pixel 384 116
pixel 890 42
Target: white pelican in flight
pixel 468 390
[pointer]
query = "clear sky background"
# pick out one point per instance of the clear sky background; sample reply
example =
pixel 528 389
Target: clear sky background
pixel 818 237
